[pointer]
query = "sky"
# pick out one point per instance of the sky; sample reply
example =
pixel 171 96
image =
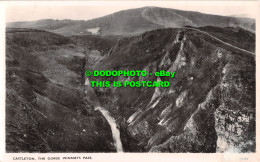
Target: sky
pixel 27 11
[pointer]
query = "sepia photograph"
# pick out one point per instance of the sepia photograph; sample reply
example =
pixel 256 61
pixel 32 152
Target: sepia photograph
pixel 130 77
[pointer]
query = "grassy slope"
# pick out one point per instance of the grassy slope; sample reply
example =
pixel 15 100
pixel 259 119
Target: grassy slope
pixel 44 107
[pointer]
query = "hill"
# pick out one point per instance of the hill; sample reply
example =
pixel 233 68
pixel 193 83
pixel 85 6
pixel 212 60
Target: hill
pixel 136 21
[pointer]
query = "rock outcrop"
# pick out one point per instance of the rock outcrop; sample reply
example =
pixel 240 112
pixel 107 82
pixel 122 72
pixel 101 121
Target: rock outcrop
pixel 213 83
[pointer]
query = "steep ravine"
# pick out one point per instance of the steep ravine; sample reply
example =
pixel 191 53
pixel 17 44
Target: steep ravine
pixel 92 98
pixel 51 106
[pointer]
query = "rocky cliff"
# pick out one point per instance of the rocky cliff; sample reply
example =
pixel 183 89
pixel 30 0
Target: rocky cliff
pixel 209 106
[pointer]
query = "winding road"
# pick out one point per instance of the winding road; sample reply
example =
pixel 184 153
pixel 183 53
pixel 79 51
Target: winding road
pixel 221 41
pixel 115 131
pixel 91 97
